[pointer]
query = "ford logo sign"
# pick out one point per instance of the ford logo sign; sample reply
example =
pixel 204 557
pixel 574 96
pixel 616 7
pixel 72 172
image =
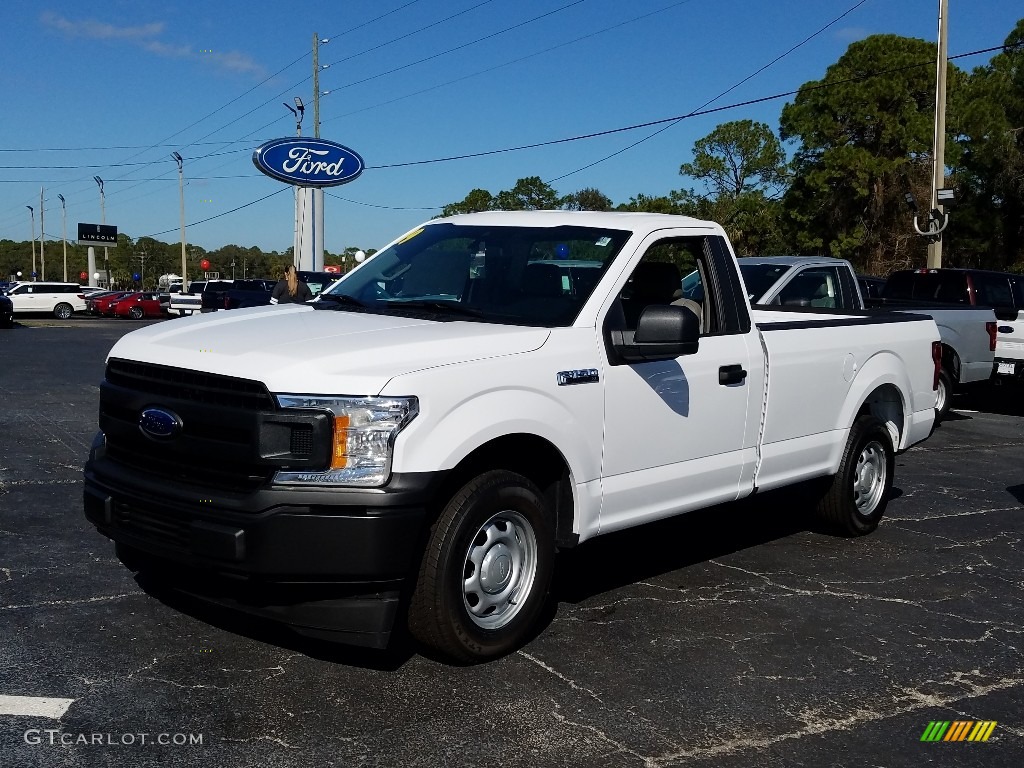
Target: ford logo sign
pixel 159 424
pixel 307 162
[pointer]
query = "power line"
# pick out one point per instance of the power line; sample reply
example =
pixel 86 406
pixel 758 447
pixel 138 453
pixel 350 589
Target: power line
pixel 749 77
pixel 219 215
pixel 511 62
pixel 459 47
pixel 676 118
pixel 386 207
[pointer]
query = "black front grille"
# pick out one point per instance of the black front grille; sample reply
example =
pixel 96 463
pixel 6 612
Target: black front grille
pixel 230 436
pixel 150 524
pixel 182 384
pixel 219 475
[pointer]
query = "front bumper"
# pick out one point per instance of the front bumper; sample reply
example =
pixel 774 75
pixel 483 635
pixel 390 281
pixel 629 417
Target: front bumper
pixel 325 562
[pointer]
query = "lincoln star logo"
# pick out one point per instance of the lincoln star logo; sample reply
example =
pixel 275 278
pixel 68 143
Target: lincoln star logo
pixel 159 424
pixel 308 162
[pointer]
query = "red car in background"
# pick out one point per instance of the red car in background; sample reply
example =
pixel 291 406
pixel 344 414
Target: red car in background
pixel 98 303
pixel 139 305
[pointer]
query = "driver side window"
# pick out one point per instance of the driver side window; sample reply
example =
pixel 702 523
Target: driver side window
pixel 658 279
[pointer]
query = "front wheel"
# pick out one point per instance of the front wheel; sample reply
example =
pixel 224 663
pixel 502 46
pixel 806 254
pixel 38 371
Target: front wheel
pixel 63 311
pixel 856 499
pixel 486 571
pixel 135 313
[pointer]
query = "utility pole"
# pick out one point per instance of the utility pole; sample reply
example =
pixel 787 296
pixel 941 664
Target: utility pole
pixel 316 85
pixel 42 237
pixel 64 232
pixel 181 199
pixel 103 220
pixel 939 143
pixel 32 215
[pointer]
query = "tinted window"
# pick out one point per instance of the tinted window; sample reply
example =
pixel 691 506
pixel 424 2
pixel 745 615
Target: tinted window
pixel 992 290
pixel 759 278
pixel 1018 291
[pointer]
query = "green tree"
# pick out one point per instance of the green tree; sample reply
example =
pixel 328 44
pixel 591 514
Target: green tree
pixel 738 158
pixel 587 199
pixel 477 200
pixel 743 166
pixel 987 221
pixel 528 194
pixel 864 136
pixel 673 203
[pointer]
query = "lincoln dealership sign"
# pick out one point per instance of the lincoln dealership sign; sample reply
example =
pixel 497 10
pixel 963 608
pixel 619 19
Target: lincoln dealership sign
pixel 307 162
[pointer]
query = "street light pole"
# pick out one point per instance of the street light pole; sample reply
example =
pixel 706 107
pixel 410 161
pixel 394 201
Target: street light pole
pixel 103 220
pixel 939 143
pixel 32 214
pixel 64 232
pixel 181 200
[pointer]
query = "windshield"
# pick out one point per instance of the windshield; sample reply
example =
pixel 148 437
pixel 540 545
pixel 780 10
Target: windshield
pixel 538 276
pixel 759 278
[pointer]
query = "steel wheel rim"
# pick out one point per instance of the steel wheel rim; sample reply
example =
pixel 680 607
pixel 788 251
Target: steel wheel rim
pixel 870 478
pixel 940 396
pixel 499 570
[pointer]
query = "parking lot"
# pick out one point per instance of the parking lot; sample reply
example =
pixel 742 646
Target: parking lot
pixel 732 637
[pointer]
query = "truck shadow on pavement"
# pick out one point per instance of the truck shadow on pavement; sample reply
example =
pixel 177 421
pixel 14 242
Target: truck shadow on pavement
pixel 400 650
pixel 604 564
pixel 617 560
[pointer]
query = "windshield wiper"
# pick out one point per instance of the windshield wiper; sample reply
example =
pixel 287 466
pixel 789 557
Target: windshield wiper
pixel 454 307
pixel 338 299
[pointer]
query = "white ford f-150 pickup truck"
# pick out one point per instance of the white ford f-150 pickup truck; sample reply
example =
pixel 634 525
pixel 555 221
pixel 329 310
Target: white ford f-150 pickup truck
pixel 484 391
pixel 814 284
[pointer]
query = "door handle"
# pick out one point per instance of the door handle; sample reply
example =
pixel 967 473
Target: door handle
pixel 731 374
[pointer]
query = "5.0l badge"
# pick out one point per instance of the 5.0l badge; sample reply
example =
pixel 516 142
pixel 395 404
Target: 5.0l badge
pixel 159 424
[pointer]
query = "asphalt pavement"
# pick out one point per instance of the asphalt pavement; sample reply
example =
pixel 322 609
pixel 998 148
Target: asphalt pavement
pixel 731 637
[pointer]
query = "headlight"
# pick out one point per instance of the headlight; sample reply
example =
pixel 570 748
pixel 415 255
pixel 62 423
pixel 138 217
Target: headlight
pixel 363 440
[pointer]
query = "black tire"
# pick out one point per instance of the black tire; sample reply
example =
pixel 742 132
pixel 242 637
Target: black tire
pixel 856 499
pixel 943 395
pixel 135 313
pixel 63 311
pixel 453 609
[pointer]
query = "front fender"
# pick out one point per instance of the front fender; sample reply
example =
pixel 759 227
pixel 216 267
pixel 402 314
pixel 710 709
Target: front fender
pixel 443 435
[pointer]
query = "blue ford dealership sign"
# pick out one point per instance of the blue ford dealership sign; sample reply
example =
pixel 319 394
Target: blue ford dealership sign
pixel 308 162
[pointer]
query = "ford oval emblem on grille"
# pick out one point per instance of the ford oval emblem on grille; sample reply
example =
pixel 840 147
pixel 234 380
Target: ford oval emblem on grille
pixel 159 424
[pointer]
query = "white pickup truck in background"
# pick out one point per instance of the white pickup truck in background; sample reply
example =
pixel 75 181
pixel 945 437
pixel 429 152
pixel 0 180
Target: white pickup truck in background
pixel 968 334
pixel 419 441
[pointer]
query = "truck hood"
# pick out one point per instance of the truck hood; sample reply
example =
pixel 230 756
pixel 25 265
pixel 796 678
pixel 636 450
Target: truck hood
pixel 298 349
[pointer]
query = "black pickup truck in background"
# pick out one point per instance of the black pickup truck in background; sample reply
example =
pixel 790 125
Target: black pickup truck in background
pixel 237 294
pixel 1002 291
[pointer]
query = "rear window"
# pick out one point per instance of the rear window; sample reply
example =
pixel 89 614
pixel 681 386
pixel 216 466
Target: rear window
pixel 992 290
pixel 942 287
pixel 760 277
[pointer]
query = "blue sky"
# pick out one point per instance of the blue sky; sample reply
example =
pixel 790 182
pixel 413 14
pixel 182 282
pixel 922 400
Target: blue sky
pixel 112 88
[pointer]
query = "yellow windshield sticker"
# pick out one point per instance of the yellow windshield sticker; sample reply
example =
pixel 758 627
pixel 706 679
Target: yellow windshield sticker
pixel 410 236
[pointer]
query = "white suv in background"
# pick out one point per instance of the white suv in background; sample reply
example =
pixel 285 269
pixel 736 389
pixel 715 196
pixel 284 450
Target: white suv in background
pixel 59 299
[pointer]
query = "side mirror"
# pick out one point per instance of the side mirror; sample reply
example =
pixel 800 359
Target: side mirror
pixel 664 332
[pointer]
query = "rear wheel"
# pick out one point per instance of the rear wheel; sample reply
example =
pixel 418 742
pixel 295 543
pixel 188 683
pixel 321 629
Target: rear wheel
pixel 943 395
pixel 856 499
pixel 135 313
pixel 63 311
pixel 486 570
